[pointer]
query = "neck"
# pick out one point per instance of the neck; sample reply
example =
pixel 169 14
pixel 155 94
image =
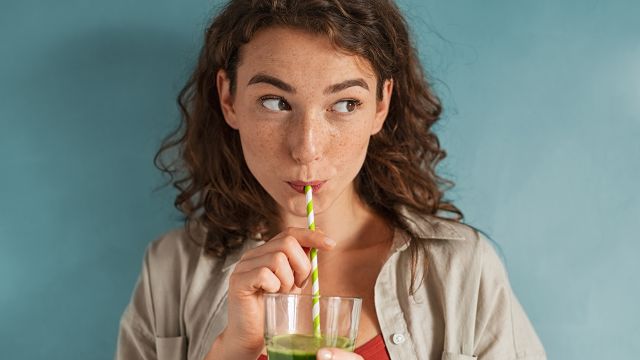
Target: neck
pixel 348 221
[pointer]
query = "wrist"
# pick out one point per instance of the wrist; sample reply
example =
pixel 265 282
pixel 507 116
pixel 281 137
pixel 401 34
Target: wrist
pixel 225 347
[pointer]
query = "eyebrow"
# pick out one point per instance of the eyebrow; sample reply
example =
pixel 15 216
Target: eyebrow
pixel 268 79
pixel 345 85
pixel 271 80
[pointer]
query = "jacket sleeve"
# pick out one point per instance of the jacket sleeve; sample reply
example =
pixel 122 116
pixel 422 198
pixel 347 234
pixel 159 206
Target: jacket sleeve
pixel 503 330
pixel 136 337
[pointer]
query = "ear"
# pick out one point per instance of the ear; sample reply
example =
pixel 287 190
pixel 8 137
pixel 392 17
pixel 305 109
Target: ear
pixel 226 98
pixel 382 106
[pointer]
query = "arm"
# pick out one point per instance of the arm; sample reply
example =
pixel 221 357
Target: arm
pixel 503 330
pixel 136 338
pixel 222 350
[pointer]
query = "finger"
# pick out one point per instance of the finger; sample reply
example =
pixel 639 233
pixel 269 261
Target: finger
pixel 336 354
pixel 250 282
pixel 277 262
pixel 304 238
pixel 297 260
pixel 292 243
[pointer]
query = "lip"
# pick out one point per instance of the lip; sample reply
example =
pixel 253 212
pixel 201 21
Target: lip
pixel 298 186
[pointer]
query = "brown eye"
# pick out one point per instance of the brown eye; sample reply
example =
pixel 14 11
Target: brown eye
pixel 346 106
pixel 275 104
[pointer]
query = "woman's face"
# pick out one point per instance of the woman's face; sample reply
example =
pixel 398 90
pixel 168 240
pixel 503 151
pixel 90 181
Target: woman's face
pixel 305 112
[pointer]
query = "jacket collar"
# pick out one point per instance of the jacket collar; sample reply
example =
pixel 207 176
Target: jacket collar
pixel 431 227
pixel 425 227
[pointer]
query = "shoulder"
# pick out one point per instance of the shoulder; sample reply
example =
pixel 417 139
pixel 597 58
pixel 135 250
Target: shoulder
pixel 171 262
pixel 168 267
pixel 469 276
pixel 164 271
pixel 173 247
pixel 458 257
pixel 171 256
pixel 452 243
pixel 173 259
pixel 466 258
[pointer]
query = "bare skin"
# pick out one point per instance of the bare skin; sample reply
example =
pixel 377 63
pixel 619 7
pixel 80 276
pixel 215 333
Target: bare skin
pixel 315 127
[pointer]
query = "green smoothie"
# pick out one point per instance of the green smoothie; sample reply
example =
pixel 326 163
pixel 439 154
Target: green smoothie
pixel 302 347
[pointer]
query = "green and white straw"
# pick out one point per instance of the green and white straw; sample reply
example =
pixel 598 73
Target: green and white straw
pixel 313 255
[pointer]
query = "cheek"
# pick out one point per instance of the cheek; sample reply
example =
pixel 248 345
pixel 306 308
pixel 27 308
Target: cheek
pixel 350 148
pixel 253 134
pixel 255 146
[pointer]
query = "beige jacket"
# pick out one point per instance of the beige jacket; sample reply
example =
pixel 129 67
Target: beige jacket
pixel 464 309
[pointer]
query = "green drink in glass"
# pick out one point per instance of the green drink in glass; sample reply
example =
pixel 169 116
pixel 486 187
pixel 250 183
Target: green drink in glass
pixel 302 347
pixel 289 332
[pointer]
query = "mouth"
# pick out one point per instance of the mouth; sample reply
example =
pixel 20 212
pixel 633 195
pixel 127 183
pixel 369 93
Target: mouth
pixel 298 186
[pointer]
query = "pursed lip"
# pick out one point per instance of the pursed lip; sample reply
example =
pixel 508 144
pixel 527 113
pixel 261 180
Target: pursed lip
pixel 299 185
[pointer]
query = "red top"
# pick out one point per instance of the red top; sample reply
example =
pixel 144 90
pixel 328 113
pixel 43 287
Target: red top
pixel 373 349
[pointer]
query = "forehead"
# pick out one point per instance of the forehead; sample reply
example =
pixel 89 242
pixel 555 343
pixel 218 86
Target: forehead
pixel 299 55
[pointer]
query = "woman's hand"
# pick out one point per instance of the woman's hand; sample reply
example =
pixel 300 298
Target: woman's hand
pixel 337 354
pixel 280 265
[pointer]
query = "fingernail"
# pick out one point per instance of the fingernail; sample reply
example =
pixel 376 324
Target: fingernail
pixel 329 242
pixel 305 282
pixel 325 354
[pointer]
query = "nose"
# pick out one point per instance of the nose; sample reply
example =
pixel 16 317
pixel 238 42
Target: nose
pixel 306 138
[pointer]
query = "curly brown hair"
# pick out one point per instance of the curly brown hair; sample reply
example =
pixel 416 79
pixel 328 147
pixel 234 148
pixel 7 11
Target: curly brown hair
pixel 216 189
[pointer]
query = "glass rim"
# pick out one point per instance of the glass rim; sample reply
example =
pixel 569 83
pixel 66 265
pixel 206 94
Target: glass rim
pixel 357 298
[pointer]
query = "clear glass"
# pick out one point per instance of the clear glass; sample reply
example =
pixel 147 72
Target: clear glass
pixel 289 331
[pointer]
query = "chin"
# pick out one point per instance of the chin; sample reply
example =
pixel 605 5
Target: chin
pixel 296 206
pixel 291 205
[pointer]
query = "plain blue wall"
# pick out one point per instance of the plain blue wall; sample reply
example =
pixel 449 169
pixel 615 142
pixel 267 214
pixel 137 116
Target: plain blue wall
pixel 541 125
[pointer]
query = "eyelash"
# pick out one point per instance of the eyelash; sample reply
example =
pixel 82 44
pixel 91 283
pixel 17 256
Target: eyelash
pixel 262 99
pixel 357 102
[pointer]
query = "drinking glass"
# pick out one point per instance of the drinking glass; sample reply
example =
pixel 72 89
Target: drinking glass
pixel 289 329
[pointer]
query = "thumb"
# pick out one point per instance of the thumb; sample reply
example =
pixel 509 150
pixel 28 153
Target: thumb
pixel 337 354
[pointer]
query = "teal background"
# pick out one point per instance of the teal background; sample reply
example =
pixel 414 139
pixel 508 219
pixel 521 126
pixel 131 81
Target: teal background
pixel 541 125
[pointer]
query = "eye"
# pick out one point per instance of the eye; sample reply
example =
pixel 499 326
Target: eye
pixel 346 106
pixel 275 103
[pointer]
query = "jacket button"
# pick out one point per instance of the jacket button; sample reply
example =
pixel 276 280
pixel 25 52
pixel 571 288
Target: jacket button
pixel 398 338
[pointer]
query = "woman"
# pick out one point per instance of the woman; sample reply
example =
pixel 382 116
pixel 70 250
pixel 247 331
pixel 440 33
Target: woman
pixel 327 93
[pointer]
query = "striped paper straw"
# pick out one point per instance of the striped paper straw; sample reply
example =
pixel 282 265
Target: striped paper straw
pixel 313 254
